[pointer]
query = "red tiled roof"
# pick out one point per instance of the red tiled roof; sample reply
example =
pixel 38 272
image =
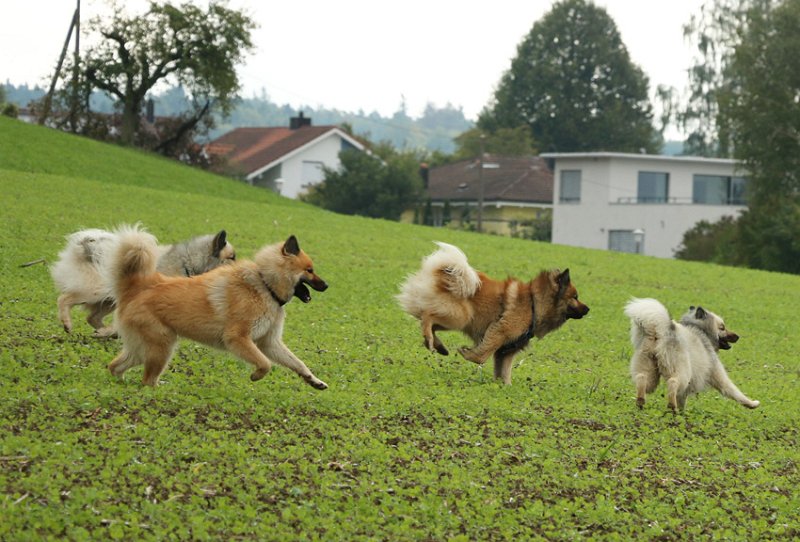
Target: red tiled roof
pixel 253 148
pixel 519 179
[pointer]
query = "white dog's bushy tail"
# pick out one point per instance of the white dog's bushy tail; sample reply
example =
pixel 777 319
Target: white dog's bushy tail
pixel 649 318
pixel 135 253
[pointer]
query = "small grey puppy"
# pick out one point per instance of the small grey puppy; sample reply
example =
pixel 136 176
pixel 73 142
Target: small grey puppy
pixel 684 353
pixel 78 273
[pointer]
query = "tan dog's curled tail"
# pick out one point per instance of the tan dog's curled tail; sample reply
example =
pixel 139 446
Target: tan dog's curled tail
pixel 135 254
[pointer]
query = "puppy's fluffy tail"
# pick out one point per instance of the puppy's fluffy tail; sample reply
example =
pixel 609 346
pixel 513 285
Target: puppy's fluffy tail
pixel 649 318
pixel 134 255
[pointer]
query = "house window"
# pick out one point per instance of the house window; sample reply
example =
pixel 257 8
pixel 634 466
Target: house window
pixel 626 241
pixel 312 173
pixel 653 187
pixel 718 190
pixel 570 187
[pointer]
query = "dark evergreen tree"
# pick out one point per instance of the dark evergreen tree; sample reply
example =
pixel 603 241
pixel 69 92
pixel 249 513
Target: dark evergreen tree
pixel 574 84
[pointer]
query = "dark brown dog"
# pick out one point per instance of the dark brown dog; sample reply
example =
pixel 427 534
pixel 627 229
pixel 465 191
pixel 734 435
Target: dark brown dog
pixel 500 316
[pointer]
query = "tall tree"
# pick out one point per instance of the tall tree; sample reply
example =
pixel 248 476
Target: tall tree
pixel 765 132
pixel 715 32
pixel 173 44
pixel 574 84
pixel 751 82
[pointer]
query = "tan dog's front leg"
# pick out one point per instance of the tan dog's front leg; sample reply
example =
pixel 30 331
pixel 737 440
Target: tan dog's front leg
pixel 244 348
pixel 278 351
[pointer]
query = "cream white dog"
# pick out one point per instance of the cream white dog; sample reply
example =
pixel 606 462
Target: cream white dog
pixel 683 353
pixel 80 278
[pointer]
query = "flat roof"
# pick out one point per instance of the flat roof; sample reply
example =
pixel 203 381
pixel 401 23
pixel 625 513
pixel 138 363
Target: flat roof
pixel 635 156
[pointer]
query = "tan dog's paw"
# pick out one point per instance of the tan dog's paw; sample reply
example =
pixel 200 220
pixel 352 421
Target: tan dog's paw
pixel 259 373
pixel 315 382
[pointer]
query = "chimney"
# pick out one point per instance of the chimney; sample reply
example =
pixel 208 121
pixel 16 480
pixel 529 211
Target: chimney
pixel 423 173
pixel 299 121
pixel 150 113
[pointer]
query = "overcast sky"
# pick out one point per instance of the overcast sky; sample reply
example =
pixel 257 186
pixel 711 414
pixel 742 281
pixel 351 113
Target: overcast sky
pixel 372 56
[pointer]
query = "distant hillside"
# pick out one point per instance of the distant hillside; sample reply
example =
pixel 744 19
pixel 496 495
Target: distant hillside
pixel 433 131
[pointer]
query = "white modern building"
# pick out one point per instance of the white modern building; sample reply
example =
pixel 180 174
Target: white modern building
pixel 639 203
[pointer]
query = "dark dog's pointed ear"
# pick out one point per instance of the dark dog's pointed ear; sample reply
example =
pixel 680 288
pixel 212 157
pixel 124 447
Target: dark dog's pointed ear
pixel 220 240
pixel 563 281
pixel 700 313
pixel 291 246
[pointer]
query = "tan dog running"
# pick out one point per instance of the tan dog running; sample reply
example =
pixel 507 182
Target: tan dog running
pixel 500 316
pixel 238 307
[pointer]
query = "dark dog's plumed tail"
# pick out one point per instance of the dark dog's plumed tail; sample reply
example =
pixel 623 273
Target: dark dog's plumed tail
pixel 454 272
pixel 444 270
pixel 135 254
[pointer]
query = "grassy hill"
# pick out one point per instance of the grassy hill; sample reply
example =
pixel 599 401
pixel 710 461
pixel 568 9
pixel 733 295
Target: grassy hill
pixel 404 445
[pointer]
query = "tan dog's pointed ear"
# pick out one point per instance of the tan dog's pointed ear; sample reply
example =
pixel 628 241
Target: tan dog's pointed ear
pixel 291 246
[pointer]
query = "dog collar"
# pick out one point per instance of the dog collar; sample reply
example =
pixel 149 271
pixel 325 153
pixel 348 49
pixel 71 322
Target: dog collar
pixel 522 341
pixel 277 299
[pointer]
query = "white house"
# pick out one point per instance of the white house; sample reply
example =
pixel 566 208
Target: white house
pixel 638 202
pixel 287 160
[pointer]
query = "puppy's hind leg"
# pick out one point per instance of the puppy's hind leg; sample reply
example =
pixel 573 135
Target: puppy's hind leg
pixel 721 381
pixel 645 376
pixel 65 303
pixel 98 311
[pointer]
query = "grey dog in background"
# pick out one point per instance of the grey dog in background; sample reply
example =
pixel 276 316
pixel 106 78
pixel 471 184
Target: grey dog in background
pixel 683 353
pixel 80 279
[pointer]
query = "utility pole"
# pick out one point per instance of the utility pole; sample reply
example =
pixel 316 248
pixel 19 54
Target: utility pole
pixel 48 99
pixel 480 186
pixel 73 110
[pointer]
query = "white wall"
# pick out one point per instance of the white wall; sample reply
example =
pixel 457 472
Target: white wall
pixel 325 151
pixel 607 177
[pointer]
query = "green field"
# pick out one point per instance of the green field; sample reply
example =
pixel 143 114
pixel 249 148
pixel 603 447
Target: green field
pixel 404 445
